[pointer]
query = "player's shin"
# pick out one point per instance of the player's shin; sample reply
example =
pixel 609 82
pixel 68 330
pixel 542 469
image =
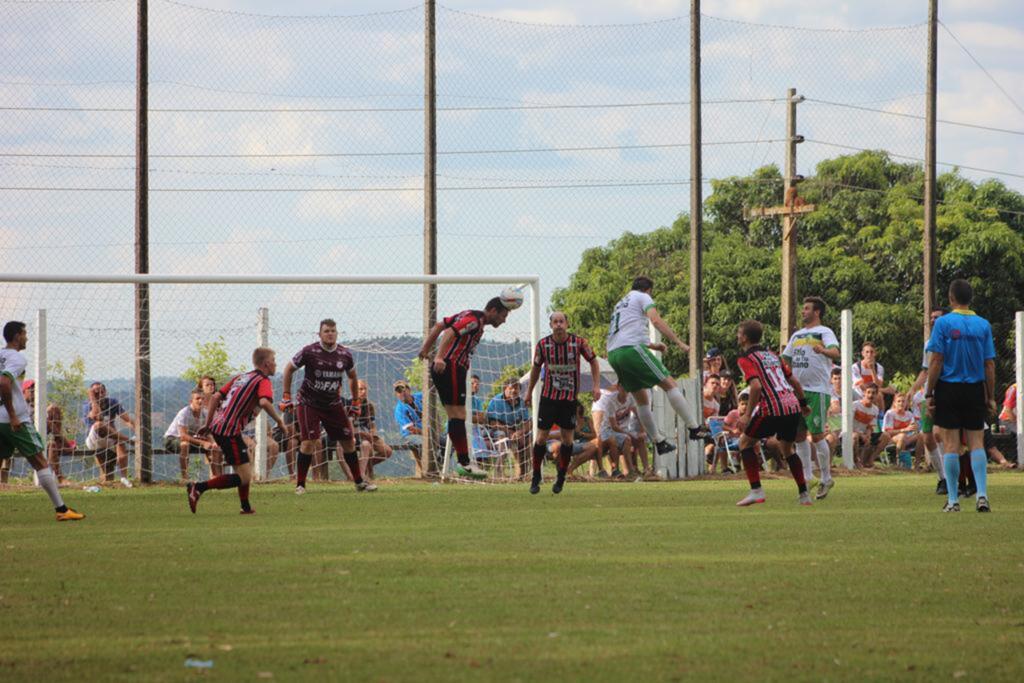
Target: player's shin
pixel 752 466
pixel 48 482
pixel 538 461
pixel 352 460
pixel 646 416
pixel 457 433
pixel 682 408
pixel 796 468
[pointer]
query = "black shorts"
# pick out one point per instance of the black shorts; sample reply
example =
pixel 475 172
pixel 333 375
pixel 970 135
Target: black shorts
pixel 235 451
pixel 451 385
pixel 552 412
pixel 960 405
pixel 783 427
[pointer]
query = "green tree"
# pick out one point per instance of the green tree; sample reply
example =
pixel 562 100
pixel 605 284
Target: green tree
pixel 861 249
pixel 211 359
pixel 65 388
pixel 508 372
pixel 414 374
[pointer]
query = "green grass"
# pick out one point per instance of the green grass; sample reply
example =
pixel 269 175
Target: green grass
pixel 652 581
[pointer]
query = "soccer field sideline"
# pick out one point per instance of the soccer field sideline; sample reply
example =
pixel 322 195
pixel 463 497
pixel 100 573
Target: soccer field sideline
pixel 659 581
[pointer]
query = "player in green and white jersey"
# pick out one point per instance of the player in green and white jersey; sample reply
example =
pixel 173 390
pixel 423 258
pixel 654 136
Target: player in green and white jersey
pixel 629 352
pixel 810 353
pixel 16 430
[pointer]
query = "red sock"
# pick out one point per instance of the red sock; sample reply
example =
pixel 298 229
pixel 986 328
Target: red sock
pixel 457 433
pixel 797 470
pixel 243 496
pixel 752 467
pixel 304 461
pixel 564 458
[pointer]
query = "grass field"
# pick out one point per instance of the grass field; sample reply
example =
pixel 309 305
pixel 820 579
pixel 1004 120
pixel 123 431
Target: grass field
pixel 650 581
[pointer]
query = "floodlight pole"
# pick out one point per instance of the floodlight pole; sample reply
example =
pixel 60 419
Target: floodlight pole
pixel 143 388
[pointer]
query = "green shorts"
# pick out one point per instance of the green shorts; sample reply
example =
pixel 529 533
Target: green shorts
pixel 637 368
pixel 25 441
pixel 817 420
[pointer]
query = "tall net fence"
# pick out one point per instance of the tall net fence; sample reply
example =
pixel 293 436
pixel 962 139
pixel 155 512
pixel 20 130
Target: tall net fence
pixel 294 144
pixel 201 330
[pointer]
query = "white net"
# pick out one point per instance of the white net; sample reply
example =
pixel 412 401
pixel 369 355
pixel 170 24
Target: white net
pixel 212 329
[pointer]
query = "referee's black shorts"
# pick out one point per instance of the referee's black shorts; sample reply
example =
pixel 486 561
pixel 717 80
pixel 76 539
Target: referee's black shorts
pixel 552 412
pixel 959 405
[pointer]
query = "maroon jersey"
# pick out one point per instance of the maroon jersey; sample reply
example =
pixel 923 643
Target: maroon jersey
pixel 468 327
pixel 242 396
pixel 777 396
pixel 561 363
pixel 325 370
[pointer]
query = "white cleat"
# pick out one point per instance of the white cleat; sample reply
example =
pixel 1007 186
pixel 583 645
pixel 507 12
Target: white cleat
pixel 126 482
pixel 805 498
pixel 365 486
pixel 824 487
pixel 300 490
pixel 753 498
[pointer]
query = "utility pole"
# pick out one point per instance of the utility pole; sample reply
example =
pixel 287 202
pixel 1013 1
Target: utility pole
pixel 143 388
pixel 696 201
pixel 929 166
pixel 429 225
pixel 791 209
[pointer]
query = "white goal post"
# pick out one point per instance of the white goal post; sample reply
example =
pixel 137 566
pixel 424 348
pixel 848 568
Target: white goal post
pixel 28 301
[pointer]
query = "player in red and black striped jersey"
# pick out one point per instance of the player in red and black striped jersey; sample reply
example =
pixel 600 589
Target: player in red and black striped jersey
pixel 559 355
pixel 459 333
pixel 242 397
pixel 774 407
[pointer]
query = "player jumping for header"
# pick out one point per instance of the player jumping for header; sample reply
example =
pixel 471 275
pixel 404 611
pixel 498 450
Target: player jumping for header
pixel 459 333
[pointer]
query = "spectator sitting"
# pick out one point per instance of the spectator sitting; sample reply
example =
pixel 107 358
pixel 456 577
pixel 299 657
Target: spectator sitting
pixel 869 371
pixel 509 417
pixel 994 454
pixel 106 440
pixel 728 399
pixel 373 450
pixel 608 413
pixel 638 438
pixel 866 442
pixel 287 444
pixel 409 417
pixel 899 424
pixel 713 363
pixel 731 429
pixel 208 386
pixel 712 386
pixel 57 444
pixel 835 411
pixel 182 436
pixel 584 449
pixel 1008 415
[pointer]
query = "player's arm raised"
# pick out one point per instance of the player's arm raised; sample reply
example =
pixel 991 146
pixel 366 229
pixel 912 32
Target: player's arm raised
pixel 665 328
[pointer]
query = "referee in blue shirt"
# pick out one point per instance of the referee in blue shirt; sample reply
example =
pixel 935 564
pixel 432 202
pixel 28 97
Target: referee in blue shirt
pixel 961 388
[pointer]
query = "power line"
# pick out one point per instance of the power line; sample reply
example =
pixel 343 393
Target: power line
pixel 982 67
pixel 315 155
pixel 351 110
pixel 916 116
pixel 911 158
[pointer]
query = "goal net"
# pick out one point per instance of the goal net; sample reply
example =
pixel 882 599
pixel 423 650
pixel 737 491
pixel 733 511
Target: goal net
pixel 82 334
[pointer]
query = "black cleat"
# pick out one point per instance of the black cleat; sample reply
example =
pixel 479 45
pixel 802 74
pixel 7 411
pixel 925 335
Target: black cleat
pixel 534 488
pixel 968 491
pixel 663 447
pixel 982 505
pixel 557 486
pixel 699 433
pixel 951 507
pixel 940 488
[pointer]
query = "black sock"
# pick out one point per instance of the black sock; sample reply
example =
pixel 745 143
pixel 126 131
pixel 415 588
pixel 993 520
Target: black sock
pixel 352 460
pixel 62 508
pixel 463 458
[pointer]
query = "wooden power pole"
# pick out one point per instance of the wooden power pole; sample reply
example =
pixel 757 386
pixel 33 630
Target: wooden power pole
pixel 790 211
pixel 696 201
pixel 929 168
pixel 429 225
pixel 143 388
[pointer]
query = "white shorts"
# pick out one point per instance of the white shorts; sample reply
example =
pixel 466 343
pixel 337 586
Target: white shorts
pixel 95 442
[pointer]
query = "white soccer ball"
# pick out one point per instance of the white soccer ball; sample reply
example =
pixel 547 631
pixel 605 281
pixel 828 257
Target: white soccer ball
pixel 511 298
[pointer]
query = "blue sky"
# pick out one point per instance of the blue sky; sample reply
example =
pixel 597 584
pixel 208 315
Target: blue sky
pixel 534 209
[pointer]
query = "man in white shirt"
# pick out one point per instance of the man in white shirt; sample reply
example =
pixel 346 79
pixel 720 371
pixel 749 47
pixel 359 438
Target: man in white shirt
pixel 629 352
pixel 610 414
pixel 17 432
pixel 183 433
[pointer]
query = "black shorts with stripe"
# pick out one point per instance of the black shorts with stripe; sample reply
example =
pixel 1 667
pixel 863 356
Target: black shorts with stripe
pixel 783 427
pixel 552 412
pixel 234 449
pixel 451 384
pixel 959 405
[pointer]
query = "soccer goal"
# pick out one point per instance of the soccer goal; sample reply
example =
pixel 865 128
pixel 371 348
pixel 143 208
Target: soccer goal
pixel 82 331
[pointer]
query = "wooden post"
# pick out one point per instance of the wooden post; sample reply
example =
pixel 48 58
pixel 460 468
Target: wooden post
pixel 929 168
pixel 429 225
pixel 696 201
pixel 143 388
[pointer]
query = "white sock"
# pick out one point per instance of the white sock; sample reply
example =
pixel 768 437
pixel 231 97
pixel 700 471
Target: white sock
pixel 936 457
pixel 682 408
pixel 646 416
pixel 803 451
pixel 48 483
pixel 824 460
